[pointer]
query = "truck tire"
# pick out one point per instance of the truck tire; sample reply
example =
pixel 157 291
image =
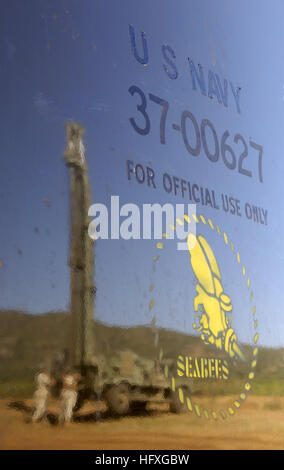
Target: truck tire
pixel 117 399
pixel 176 406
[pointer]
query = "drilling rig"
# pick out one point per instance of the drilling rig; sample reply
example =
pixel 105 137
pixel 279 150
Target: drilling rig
pixel 126 381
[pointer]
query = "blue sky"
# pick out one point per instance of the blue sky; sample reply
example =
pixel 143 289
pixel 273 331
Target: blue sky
pixel 63 60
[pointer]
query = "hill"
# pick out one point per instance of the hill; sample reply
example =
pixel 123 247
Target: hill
pixel 27 341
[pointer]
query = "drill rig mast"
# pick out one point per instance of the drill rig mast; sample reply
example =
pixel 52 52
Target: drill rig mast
pixel 82 287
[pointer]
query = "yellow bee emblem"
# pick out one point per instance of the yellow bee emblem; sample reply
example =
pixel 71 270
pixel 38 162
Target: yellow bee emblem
pixel 215 307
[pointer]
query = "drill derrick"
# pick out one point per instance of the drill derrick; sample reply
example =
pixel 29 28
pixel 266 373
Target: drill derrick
pixel 81 251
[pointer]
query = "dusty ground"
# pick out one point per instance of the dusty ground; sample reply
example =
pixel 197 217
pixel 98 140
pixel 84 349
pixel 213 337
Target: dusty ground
pixel 258 424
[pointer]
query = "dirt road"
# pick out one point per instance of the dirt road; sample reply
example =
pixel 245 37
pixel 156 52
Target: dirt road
pixel 259 424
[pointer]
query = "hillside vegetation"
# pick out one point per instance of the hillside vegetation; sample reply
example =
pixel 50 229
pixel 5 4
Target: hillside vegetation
pixel 27 341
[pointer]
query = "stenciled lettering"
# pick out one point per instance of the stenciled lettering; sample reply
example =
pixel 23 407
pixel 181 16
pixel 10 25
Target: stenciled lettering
pixel 202 367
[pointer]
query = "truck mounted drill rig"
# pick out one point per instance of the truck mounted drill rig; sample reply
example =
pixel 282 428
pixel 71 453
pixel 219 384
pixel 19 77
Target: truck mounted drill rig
pixel 126 382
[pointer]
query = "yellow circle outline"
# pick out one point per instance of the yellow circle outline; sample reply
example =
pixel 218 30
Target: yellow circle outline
pixel 192 407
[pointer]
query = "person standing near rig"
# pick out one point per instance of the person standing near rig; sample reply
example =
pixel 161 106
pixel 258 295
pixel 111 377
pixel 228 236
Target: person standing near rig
pixel 43 383
pixel 69 394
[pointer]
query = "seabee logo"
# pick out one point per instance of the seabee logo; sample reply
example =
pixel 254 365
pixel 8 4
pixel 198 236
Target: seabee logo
pixel 215 307
pixel 213 320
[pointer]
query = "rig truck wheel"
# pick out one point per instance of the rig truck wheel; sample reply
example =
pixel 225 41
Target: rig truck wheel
pixel 176 406
pixel 117 399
